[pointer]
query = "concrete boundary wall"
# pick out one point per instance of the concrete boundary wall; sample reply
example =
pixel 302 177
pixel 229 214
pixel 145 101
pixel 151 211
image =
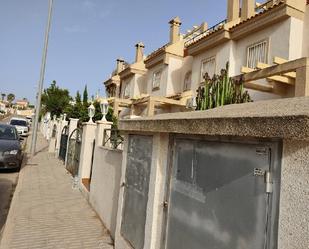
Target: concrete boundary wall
pixel 284 120
pixel 105 185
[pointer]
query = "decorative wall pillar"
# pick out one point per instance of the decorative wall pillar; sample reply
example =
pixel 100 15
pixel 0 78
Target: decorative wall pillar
pixel 101 126
pixel 53 137
pixel 88 139
pixel 62 124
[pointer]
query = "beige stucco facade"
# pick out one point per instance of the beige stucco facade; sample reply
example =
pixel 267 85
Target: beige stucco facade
pixel 283 25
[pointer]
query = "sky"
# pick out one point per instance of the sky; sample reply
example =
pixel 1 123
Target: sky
pixel 86 38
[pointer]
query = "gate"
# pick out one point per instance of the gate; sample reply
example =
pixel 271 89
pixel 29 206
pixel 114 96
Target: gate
pixel 54 131
pixel 63 142
pixel 136 190
pixel 74 148
pixel 222 194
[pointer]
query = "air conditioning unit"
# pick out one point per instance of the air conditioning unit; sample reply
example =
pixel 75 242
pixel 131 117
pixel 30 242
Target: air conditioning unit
pixel 191 103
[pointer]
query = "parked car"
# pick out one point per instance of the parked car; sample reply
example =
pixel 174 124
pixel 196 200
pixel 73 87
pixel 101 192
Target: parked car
pixel 29 119
pixel 10 147
pixel 21 125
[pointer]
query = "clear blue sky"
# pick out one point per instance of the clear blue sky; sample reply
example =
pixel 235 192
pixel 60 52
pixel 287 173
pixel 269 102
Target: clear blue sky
pixel 86 38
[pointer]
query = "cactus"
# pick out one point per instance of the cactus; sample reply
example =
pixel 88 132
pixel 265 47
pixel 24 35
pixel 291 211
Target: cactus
pixel 220 90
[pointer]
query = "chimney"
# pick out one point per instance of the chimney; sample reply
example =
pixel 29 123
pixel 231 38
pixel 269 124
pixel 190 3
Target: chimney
pixel 247 9
pixel 204 26
pixel 174 30
pixel 232 10
pixel 139 56
pixel 120 63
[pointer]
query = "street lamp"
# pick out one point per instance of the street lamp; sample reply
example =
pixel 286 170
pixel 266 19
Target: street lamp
pixel 104 109
pixel 91 112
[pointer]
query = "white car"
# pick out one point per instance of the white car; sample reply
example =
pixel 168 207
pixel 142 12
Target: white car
pixel 21 125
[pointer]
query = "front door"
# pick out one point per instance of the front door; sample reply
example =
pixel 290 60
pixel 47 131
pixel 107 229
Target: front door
pixel 221 195
pixel 136 189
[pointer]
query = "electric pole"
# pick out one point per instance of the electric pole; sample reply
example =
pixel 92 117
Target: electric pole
pixel 40 85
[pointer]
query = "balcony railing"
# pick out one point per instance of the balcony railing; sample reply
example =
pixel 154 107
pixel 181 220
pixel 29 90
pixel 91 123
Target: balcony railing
pixel 264 6
pixel 112 139
pixel 205 33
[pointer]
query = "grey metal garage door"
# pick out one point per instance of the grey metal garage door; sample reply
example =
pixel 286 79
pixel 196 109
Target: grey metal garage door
pixel 136 189
pixel 223 195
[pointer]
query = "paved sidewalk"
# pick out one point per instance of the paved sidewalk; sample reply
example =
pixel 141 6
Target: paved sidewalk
pixel 47 213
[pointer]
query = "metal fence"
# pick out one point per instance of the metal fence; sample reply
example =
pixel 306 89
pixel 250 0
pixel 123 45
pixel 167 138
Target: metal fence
pixel 74 149
pixel 112 138
pixel 63 142
pixel 205 33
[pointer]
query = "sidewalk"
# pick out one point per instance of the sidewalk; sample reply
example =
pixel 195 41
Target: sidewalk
pixel 47 213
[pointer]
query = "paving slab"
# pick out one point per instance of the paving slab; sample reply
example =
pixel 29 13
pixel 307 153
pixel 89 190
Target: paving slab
pixel 46 212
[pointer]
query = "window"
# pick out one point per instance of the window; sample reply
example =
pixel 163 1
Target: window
pixel 208 66
pixel 257 53
pixel 187 81
pixel 126 91
pixel 156 79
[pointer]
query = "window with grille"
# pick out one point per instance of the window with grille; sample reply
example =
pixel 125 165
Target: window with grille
pixel 208 66
pixel 257 53
pixel 156 79
pixel 187 81
pixel 126 91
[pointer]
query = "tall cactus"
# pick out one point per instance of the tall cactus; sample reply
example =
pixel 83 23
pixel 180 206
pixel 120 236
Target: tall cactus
pixel 220 90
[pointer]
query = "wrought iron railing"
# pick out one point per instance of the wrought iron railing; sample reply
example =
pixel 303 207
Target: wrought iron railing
pixel 264 6
pixel 112 138
pixel 206 32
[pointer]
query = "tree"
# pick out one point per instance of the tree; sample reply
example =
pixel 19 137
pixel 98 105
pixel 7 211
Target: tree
pixel 55 100
pixel 74 110
pixel 3 96
pixel 10 98
pixel 85 96
pixel 78 100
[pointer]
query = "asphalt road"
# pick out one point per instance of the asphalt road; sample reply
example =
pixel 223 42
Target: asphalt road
pixel 8 181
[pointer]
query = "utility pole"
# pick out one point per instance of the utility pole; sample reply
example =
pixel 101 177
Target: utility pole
pixel 40 85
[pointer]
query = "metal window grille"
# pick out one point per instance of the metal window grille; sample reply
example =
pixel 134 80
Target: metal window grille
pixel 187 81
pixel 257 53
pixel 209 67
pixel 112 138
pixel 126 90
pixel 156 79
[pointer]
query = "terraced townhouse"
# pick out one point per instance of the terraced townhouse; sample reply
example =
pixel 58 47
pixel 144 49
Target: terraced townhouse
pixel 253 37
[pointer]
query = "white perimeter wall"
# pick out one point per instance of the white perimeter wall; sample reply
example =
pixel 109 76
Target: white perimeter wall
pixel 105 185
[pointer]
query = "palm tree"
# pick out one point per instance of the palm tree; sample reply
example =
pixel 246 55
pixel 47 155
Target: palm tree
pixel 3 96
pixel 10 97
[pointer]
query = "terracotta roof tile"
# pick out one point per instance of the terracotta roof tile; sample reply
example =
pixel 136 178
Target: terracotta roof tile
pixel 157 51
pixel 219 26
